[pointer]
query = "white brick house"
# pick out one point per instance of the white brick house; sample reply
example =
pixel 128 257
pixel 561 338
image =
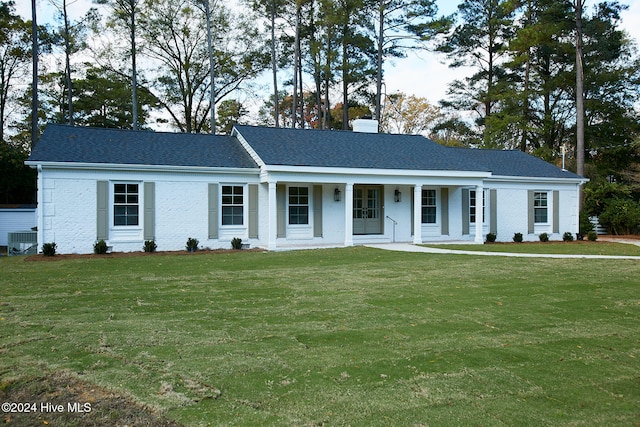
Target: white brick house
pixel 287 188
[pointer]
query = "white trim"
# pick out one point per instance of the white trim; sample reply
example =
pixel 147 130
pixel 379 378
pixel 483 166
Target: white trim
pixel 245 206
pixel 536 179
pixel 40 213
pixel 322 170
pixel 249 149
pixel 138 168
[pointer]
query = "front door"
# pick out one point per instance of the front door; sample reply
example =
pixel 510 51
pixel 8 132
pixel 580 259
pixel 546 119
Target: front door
pixel 367 209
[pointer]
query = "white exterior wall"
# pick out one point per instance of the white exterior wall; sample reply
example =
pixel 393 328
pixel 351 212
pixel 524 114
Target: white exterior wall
pixel 512 206
pixel 68 210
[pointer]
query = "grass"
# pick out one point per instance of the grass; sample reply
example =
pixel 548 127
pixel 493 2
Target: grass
pixel 353 336
pixel 582 248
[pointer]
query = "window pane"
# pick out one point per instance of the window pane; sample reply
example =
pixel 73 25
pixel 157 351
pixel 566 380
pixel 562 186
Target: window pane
pixel 428 215
pixel 232 205
pixel 125 200
pixel 232 215
pixel 540 215
pixel 540 200
pixel 298 215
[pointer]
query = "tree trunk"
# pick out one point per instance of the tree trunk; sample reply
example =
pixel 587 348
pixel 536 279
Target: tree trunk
pixel 381 5
pixel 67 45
pixel 34 81
pixel 345 81
pixel 274 65
pixel 212 92
pixel 294 107
pixel 579 99
pixel 134 71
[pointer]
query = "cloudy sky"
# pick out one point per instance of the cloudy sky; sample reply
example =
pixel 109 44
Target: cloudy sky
pixel 422 74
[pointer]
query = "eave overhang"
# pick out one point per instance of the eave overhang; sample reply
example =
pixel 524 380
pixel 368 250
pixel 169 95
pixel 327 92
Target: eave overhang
pixel 138 167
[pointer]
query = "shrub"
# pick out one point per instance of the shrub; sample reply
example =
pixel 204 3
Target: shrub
pixel 567 237
pixel 100 247
pixel 491 237
pixel 517 237
pixel 544 237
pixel 585 223
pixel 49 249
pixel 621 216
pixel 150 246
pixel 192 244
pixel 236 243
pixel 592 236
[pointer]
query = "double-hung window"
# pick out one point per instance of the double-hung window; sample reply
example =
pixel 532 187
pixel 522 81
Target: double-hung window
pixel 298 205
pixel 126 204
pixel 428 206
pixel 540 207
pixel 473 206
pixel 232 205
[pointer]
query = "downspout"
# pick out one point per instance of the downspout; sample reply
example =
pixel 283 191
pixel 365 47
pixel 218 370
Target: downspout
pixel 40 208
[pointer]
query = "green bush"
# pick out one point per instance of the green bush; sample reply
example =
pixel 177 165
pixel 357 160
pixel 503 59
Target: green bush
pixel 150 246
pixel 585 223
pixel 567 237
pixel 100 247
pixel 621 216
pixel 592 236
pixel 544 237
pixel 49 249
pixel 491 237
pixel 598 195
pixel 236 243
pixel 517 237
pixel 192 244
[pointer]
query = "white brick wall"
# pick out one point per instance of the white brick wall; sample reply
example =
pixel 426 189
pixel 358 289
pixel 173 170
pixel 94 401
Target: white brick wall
pixel 68 208
pixel 181 210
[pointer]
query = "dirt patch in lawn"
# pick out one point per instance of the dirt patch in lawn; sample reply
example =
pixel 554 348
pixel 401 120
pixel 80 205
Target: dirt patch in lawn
pixel 61 400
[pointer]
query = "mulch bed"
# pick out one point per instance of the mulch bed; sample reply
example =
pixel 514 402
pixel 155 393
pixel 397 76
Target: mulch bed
pixel 60 257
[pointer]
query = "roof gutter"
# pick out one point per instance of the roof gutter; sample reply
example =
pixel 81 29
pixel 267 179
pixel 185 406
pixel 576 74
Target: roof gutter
pixel 530 179
pixel 374 171
pixel 137 168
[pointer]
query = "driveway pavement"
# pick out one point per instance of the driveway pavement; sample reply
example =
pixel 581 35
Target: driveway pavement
pixel 408 247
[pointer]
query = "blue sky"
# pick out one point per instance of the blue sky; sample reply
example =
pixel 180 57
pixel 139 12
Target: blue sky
pixel 422 74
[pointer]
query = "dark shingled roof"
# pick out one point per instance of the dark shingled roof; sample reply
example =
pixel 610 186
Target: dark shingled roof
pixel 62 143
pixel 296 147
pixel 280 146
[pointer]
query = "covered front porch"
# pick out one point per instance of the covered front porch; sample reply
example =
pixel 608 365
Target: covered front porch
pixel 365 211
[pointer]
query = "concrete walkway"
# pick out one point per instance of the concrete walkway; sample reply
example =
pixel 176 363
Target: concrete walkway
pixel 407 247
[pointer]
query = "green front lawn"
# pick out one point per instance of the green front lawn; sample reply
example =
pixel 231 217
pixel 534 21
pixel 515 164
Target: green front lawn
pixel 354 336
pixel 582 248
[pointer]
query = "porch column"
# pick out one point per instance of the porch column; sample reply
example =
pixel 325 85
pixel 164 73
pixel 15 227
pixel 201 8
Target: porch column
pixel 273 217
pixel 348 214
pixel 417 214
pixel 479 214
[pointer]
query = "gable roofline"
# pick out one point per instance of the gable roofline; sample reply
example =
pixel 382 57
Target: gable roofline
pixel 245 144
